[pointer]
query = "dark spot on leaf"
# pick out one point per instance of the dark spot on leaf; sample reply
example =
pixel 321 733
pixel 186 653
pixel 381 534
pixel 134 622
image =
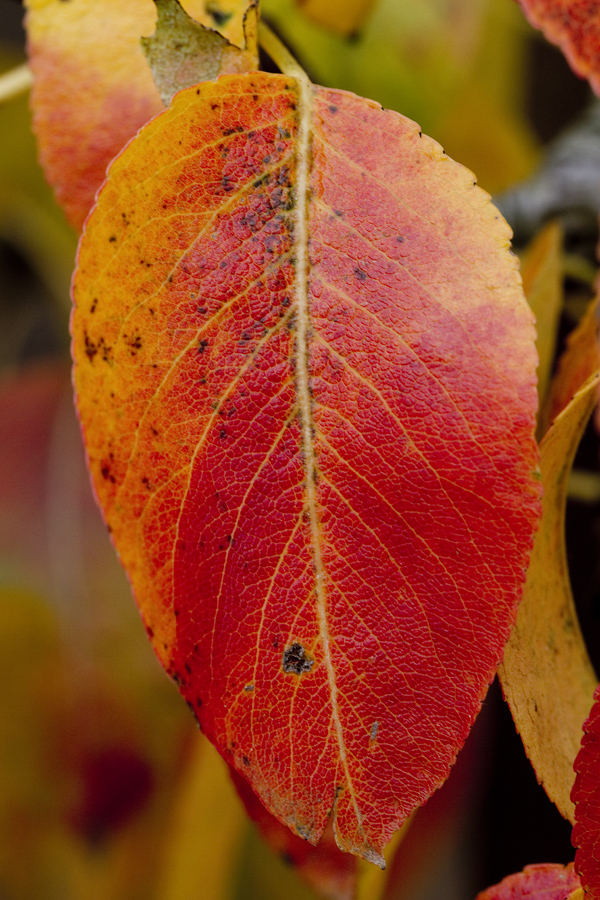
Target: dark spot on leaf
pixel 249 688
pixel 90 348
pixel 94 305
pixel 245 760
pixel 360 274
pixel 333 109
pixel 202 346
pixel 295 659
pixel 106 473
pixel 223 434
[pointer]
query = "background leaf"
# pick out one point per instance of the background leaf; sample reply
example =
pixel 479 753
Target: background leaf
pixel 546 674
pixel 575 27
pixel 545 881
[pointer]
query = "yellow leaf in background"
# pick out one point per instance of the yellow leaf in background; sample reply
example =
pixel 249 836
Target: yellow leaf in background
pixel 542 273
pixel 204 838
pixel 491 141
pixel 346 17
pixel 547 678
pixel 236 20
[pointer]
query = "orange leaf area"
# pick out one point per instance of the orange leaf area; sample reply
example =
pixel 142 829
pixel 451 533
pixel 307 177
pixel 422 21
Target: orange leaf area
pixel 305 375
pixel 574 25
pixel 545 881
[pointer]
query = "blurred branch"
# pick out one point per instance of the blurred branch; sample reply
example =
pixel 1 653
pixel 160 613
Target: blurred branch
pixel 15 82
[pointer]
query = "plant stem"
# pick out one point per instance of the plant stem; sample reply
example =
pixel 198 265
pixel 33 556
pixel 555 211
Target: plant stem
pixel 15 82
pixel 279 53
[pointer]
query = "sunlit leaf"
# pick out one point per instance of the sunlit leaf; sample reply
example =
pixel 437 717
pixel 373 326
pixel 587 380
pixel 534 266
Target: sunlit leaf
pixel 305 372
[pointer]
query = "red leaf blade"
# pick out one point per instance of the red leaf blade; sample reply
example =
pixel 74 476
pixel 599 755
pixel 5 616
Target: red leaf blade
pixel 545 881
pixel 340 468
pixel 586 796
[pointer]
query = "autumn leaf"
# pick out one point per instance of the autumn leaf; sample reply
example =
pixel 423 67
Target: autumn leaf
pixel 586 794
pixel 546 674
pixel 545 881
pixel 305 374
pixel 93 89
pixel 574 26
pixel 183 52
pixel 542 274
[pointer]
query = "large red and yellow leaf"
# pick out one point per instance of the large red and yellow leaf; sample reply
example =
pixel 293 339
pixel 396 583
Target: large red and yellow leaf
pixel 544 881
pixel 574 26
pixel 305 374
pixel 93 89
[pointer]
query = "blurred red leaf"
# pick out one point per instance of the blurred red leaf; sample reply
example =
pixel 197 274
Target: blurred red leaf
pixel 574 26
pixel 545 881
pixel 305 373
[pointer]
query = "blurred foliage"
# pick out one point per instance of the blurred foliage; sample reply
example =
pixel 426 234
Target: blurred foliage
pixel 106 788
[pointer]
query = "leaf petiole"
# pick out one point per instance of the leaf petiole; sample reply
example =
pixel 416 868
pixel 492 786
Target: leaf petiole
pixel 15 82
pixel 281 56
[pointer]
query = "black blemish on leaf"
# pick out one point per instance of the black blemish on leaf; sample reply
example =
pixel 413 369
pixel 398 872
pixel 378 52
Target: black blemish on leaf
pixel 112 239
pixel 94 305
pixel 360 274
pixel 90 348
pixel 245 760
pixel 223 434
pixel 249 688
pixel 202 310
pixel 333 109
pixel 202 346
pixel 188 668
pixel 295 659
pixel 106 473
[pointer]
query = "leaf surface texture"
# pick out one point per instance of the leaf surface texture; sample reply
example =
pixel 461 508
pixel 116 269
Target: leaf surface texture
pixel 305 374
